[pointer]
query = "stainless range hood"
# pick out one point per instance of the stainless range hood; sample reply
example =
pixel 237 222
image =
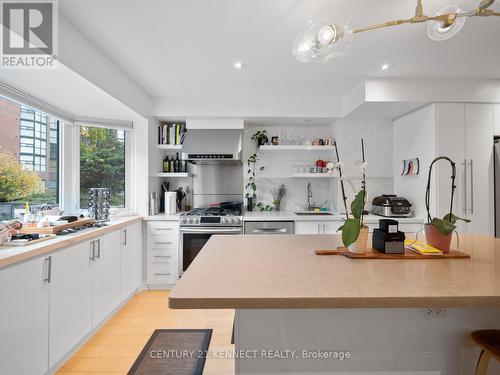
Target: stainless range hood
pixel 216 146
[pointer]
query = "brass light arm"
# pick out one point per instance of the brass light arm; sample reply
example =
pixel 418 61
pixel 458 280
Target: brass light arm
pixel 382 25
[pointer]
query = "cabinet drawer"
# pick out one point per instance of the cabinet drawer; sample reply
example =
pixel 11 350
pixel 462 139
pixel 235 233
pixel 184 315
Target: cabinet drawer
pixel 157 255
pixel 162 273
pixel 163 228
pixel 162 242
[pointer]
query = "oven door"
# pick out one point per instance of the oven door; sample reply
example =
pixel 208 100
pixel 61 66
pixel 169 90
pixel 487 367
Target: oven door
pixel 193 239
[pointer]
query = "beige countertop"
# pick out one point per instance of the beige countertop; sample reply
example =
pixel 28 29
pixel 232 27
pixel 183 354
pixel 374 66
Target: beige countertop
pixel 282 271
pixel 13 254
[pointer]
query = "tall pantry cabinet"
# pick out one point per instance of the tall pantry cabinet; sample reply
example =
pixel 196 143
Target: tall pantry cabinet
pixel 464 133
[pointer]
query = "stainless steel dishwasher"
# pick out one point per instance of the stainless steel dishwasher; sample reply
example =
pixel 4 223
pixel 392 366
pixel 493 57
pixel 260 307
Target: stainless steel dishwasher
pixel 269 227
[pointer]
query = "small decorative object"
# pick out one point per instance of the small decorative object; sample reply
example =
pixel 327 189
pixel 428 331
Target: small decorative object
pixel 438 232
pixel 411 167
pixel 275 141
pixel 354 232
pixel 99 203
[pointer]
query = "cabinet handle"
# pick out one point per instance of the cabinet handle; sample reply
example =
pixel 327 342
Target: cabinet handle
pixel 125 237
pixel 464 164
pixel 162 274
pixel 471 186
pixel 48 265
pixel 319 231
pixel 92 250
pixel 98 248
pixel 163 228
pixel 163 242
pixel 163 256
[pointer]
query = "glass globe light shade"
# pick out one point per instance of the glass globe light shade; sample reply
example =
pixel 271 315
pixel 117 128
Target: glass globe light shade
pixel 439 31
pixel 322 41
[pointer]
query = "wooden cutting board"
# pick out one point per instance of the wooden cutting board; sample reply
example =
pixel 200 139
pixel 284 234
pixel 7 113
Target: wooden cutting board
pixel 56 228
pixel 374 254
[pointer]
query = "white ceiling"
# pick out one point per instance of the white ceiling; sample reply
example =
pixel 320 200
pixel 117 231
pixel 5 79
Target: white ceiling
pixel 186 48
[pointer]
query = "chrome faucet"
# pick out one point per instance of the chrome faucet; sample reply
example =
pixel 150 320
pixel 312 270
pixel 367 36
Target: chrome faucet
pixel 309 196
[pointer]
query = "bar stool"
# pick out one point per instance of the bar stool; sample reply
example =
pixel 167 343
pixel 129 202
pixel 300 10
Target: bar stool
pixel 489 342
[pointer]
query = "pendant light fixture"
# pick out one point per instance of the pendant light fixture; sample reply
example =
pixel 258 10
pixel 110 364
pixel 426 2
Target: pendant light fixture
pixel 326 39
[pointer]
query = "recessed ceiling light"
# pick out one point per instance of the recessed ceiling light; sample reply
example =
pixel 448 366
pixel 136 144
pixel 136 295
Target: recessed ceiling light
pixel 386 66
pixel 238 65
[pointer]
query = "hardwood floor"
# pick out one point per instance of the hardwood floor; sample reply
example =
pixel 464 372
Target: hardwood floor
pixel 114 348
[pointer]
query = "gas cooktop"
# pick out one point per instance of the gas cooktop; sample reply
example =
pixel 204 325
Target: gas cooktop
pixel 212 216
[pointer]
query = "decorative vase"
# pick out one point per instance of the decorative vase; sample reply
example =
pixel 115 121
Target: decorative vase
pixel 436 239
pixel 359 246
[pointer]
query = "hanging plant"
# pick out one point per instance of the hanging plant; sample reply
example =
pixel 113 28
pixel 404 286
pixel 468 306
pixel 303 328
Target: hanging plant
pixel 251 186
pixel 438 231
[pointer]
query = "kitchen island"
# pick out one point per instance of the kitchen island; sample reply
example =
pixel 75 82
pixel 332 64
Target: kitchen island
pixel 392 316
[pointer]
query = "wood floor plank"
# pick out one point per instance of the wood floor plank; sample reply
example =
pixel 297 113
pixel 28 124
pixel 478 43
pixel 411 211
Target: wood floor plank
pixel 114 348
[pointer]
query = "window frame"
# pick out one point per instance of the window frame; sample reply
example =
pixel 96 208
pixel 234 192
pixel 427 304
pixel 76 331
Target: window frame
pixel 129 136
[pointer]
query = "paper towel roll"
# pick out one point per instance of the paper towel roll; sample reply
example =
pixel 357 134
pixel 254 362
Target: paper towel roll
pixel 170 202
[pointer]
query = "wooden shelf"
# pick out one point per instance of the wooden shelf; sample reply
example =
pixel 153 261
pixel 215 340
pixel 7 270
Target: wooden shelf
pixel 169 147
pixel 173 175
pixel 295 148
pixel 313 175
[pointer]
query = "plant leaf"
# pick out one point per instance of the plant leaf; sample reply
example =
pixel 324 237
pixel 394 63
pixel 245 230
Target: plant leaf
pixel 357 204
pixel 350 231
pixel 454 218
pixel 443 226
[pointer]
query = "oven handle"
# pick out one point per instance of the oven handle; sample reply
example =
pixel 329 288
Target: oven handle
pixel 211 230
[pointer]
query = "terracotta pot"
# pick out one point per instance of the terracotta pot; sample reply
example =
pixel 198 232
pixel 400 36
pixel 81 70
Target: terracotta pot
pixel 359 247
pixel 437 239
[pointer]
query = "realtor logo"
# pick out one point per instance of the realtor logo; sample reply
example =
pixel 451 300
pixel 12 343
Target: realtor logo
pixel 29 34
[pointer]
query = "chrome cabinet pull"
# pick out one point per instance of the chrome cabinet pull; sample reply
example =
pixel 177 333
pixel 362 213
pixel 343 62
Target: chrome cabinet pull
pixel 464 209
pixel 163 242
pixel 269 230
pixel 48 269
pixel 125 237
pixel 162 228
pixel 98 248
pixel 162 274
pixel 163 256
pixel 92 250
pixel 471 186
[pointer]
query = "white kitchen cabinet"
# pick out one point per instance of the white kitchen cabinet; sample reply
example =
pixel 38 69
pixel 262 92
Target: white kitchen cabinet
pixel 497 119
pixel 162 254
pixel 71 289
pixel 464 133
pixel 131 257
pixel 107 275
pixel 317 227
pixel 24 316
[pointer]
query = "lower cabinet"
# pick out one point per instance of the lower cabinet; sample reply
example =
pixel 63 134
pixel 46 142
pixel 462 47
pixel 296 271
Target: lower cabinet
pixel 317 227
pixel 131 259
pixel 24 316
pixel 106 272
pixel 71 293
pixel 49 304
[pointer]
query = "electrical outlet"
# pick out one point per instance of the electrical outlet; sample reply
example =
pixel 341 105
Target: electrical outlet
pixel 434 312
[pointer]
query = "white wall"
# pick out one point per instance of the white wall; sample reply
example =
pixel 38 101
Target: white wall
pixel 415 136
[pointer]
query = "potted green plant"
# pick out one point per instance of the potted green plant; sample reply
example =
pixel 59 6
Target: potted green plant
pixel 260 137
pixel 438 232
pixel 354 232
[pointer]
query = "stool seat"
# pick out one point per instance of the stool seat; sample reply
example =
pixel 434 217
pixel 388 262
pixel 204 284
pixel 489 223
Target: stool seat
pixel 488 340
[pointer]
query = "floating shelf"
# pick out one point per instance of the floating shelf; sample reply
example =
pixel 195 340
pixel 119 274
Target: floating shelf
pixel 169 147
pixel 295 148
pixel 313 175
pixel 173 175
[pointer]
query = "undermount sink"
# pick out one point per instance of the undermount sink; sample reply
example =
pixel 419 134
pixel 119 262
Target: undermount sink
pixel 313 213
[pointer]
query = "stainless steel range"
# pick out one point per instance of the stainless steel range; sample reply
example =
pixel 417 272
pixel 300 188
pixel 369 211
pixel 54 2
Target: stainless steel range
pixel 197 226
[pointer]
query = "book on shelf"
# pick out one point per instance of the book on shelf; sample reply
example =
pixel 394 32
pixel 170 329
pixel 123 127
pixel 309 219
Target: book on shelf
pixel 171 134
